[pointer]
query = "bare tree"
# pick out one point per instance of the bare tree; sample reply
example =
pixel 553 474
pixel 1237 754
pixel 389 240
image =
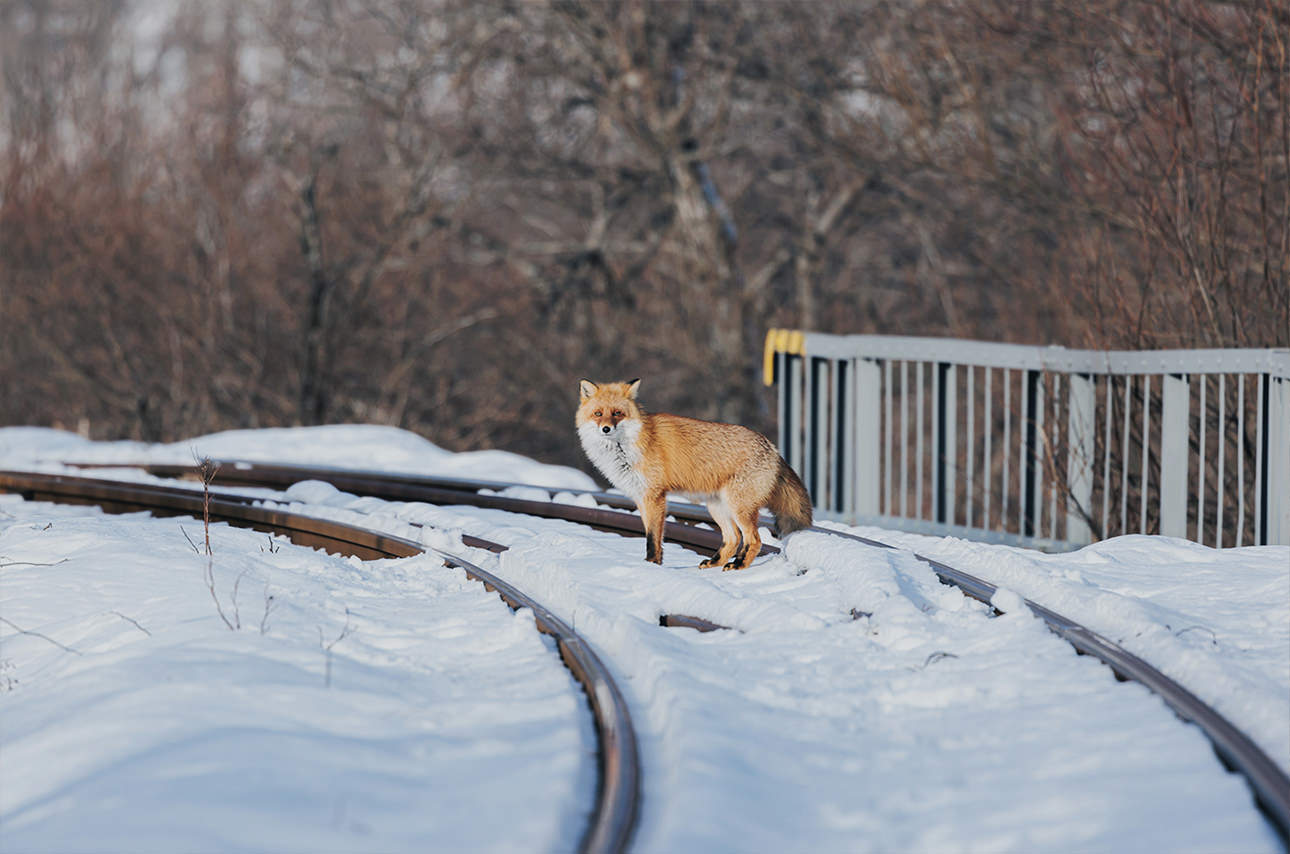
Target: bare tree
pixel 439 214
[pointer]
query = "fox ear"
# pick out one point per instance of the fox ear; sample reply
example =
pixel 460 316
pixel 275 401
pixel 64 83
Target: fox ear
pixel 632 386
pixel 586 388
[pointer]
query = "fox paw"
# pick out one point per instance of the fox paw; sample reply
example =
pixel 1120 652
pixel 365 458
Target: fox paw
pixel 709 563
pixel 732 565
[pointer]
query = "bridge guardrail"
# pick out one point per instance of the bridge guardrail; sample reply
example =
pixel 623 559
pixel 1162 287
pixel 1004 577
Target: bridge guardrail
pixel 1041 446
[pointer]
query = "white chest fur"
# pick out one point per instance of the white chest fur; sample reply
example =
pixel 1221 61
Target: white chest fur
pixel 617 455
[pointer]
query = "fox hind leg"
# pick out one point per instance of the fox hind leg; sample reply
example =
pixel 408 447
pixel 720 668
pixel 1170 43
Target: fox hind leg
pixel 751 545
pixel 725 520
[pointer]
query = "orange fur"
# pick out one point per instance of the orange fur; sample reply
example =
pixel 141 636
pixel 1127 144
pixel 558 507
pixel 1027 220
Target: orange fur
pixel 731 469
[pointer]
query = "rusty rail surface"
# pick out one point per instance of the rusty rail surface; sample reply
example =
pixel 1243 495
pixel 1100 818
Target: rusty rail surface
pixel 1269 784
pixel 613 819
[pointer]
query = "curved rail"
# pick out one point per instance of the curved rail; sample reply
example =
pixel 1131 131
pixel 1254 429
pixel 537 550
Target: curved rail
pixel 394 487
pixel 1270 785
pixel 613 820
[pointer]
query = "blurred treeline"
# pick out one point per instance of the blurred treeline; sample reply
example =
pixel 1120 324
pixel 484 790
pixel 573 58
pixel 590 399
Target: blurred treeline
pixel 439 214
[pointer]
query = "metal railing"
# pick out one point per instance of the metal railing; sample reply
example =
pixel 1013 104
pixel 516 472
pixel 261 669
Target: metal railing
pixel 1041 446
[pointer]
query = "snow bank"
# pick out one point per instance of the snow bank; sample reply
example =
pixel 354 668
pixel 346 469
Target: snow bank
pixel 355 446
pixel 375 706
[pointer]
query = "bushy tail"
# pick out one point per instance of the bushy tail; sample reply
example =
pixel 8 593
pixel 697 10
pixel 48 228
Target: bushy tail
pixel 789 502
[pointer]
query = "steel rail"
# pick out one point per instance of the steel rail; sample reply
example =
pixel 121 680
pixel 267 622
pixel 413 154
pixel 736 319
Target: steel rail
pixel 613 819
pixel 1270 785
pixel 449 491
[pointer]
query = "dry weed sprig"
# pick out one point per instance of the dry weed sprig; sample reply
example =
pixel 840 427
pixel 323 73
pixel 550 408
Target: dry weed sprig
pixel 133 622
pixel 327 647
pixel 207 469
pixel 269 603
pixel 190 540
pixel 20 630
pixel 209 577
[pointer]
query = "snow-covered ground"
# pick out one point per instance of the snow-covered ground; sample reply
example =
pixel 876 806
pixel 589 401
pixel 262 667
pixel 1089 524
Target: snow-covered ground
pixel 1214 620
pixel 345 706
pixel 925 725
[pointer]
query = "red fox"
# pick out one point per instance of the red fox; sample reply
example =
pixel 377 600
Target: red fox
pixel 731 469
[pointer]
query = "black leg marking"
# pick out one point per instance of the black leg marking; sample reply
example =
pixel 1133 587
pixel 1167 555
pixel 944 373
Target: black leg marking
pixel 738 559
pixel 653 553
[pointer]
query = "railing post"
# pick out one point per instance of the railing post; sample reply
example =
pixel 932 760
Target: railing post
pixel 1175 416
pixel 817 433
pixel 1030 456
pixel 842 438
pixel 1276 468
pixel 795 448
pixel 1081 428
pixel 868 436
pixel 920 400
pixel 783 407
pixel 946 442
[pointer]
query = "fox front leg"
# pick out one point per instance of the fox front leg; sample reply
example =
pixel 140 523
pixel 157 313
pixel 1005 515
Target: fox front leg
pixel 653 512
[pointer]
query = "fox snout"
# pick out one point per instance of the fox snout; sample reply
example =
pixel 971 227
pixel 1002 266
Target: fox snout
pixel 609 424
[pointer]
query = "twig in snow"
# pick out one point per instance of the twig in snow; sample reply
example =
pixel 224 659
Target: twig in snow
pixel 237 612
pixel 134 621
pixel 269 602
pixel 934 657
pixel 327 647
pixel 30 563
pixel 209 577
pixel 190 540
pixel 20 630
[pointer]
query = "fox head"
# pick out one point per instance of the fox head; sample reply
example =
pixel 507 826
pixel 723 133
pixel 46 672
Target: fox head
pixel 605 406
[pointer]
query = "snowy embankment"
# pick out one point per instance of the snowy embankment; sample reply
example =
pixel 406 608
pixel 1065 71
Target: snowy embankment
pixel 352 705
pixel 926 724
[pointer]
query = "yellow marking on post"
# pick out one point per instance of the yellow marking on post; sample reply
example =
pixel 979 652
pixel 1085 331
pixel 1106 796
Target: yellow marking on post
pixel 768 357
pixel 791 341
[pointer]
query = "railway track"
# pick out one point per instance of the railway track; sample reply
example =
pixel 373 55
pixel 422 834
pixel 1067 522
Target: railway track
pixel 1270 785
pixel 614 815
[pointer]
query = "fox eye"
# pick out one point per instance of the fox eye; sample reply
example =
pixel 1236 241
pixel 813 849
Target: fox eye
pixel 599 413
pixel 618 413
